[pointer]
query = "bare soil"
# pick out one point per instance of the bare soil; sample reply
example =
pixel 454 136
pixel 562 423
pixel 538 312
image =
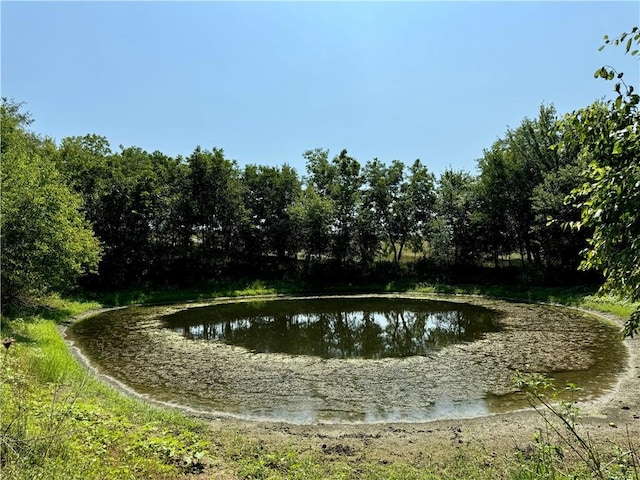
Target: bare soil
pixel 611 419
pixel 613 416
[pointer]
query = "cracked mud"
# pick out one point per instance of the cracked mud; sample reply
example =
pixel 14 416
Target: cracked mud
pixel 469 379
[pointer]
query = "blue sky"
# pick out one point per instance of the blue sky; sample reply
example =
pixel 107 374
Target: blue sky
pixel 265 81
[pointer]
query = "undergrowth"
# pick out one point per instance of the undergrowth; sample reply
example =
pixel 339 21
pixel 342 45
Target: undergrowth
pixel 57 422
pixel 561 448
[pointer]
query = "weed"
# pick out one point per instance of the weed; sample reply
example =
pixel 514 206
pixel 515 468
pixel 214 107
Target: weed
pixel 58 423
pixel 562 434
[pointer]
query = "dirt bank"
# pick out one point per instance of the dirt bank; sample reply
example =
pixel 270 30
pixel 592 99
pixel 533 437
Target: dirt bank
pixel 613 418
pixel 608 417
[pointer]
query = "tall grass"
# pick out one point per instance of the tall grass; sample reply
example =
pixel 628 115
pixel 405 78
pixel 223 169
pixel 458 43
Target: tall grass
pixel 56 422
pixel 49 361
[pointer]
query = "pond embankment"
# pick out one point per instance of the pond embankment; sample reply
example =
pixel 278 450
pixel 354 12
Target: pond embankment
pixel 611 408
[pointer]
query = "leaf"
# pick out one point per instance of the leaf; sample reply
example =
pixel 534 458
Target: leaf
pixel 617 148
pixel 618 102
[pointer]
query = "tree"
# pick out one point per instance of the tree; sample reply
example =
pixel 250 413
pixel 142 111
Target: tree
pixel 345 193
pixel 380 202
pixel 312 214
pixel 560 246
pixel 402 201
pixel 46 241
pixel 514 175
pixel 269 194
pixel 417 209
pixel 135 219
pixel 494 197
pixel 530 157
pixel 338 182
pixel 609 196
pixel 456 209
pixel 217 215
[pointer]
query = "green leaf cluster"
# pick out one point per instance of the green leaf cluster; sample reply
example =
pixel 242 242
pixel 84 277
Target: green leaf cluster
pixel 46 240
pixel 608 134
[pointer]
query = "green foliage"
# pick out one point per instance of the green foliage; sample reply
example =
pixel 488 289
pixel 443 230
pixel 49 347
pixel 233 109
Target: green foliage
pixel 57 423
pixel 174 221
pixel 46 241
pixel 256 462
pixel 524 178
pixel 269 195
pixel 562 437
pixel 559 246
pixel 609 196
pixel 329 206
pixel 494 197
pixel 214 199
pixel 456 231
pixel 626 98
pixel 399 205
pixel 345 195
pixel 312 214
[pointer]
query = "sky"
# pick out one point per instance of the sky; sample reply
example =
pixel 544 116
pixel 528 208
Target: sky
pixel 266 81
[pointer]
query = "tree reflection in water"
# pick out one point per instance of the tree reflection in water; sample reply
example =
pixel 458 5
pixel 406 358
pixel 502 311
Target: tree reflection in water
pixel 337 328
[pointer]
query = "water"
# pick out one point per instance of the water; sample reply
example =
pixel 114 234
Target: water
pixel 348 359
pixel 370 328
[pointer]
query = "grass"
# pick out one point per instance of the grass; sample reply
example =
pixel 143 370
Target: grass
pixel 580 296
pixel 205 292
pixel 59 422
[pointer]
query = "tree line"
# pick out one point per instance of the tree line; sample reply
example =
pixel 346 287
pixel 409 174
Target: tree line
pixel 546 191
pixel 143 217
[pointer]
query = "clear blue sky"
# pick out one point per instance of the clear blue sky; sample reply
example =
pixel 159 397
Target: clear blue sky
pixel 265 81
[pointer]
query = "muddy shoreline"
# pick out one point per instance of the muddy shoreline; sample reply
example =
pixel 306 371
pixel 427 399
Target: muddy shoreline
pixel 613 416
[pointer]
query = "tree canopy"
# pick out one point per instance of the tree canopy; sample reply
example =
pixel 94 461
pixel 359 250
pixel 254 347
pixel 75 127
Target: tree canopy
pixel 129 217
pixel 609 192
pixel 46 240
pixel 163 220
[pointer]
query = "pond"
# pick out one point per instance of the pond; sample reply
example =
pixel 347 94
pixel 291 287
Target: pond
pixel 337 327
pixel 348 359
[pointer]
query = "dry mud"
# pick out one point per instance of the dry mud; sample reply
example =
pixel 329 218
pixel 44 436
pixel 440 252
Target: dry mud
pixel 532 338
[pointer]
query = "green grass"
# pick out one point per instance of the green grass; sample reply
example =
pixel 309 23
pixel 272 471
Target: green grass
pixel 205 292
pixel 609 304
pixel 57 421
pixel 580 296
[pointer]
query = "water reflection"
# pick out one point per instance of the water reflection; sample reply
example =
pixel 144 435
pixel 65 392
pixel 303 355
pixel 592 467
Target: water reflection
pixel 362 328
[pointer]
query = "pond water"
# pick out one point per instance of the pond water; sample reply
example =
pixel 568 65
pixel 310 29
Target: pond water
pixel 348 359
pixel 337 328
